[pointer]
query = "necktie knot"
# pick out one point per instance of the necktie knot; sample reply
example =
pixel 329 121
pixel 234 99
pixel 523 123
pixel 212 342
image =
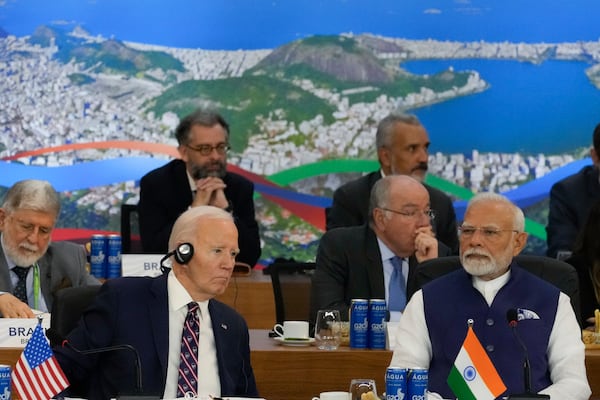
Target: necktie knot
pixel 397 263
pixel 192 307
pixel 21 272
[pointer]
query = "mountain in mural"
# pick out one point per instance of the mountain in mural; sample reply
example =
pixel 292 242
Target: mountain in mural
pixel 109 56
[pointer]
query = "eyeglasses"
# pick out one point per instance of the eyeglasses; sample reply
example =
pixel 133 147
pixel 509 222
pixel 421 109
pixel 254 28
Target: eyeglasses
pixel 414 214
pixel 206 149
pixel 487 233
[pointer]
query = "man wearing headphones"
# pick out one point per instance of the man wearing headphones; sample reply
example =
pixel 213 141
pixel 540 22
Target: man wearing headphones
pixel 190 344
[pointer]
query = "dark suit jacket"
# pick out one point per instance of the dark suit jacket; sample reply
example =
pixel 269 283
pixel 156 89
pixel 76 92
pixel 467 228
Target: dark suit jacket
pixel 165 194
pixel 349 267
pixel 350 207
pixel 570 202
pixel 63 265
pixel 587 296
pixel 134 311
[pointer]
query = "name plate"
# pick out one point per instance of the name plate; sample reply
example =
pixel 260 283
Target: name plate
pixel 141 264
pixel 15 332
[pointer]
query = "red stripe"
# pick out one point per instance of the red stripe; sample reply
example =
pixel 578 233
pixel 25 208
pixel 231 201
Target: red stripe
pixel 41 383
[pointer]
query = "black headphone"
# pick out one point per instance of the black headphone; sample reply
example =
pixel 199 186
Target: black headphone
pixel 183 254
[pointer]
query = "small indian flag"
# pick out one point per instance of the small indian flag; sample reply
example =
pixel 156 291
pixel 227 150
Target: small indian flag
pixel 473 376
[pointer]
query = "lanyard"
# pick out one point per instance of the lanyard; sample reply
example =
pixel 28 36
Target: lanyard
pixel 36 286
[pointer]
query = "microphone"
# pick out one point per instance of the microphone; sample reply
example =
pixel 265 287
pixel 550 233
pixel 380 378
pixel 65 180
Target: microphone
pixel 57 338
pixel 512 317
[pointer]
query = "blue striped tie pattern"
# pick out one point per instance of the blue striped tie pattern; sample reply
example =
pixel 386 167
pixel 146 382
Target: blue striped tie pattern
pixel 187 383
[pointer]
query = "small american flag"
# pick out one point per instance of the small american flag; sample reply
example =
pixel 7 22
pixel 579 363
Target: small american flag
pixel 37 374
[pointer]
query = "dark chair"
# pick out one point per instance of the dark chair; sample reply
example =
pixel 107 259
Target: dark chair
pixel 556 272
pixel 69 303
pixel 130 243
pixel 291 289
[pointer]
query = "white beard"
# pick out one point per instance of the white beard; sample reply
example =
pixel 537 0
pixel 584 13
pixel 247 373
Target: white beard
pixel 478 266
pixel 485 266
pixel 21 257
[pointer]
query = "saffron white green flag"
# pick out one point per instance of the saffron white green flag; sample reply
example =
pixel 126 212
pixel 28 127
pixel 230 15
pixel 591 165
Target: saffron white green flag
pixel 473 376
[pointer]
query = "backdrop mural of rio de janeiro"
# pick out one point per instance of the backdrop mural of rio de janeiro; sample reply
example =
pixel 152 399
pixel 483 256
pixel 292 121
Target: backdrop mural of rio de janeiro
pixel 90 92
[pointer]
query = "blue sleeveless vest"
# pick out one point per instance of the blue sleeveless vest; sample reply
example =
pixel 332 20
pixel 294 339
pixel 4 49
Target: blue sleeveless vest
pixel 451 300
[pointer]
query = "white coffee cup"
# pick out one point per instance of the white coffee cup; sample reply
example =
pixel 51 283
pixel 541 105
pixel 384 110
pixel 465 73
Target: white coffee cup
pixel 292 330
pixel 333 396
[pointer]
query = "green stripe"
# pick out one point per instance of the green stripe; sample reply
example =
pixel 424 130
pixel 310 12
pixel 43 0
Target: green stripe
pixel 321 168
pixel 337 166
pixel 459 386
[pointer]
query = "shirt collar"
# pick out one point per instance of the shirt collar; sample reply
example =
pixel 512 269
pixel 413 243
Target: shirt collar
pixel 191 180
pixel 385 251
pixel 489 289
pixel 179 297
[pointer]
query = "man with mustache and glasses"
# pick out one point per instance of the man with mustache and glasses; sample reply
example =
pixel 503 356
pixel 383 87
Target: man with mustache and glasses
pixel 199 178
pixel 32 268
pixel 402 149
pixel 435 322
pixel 377 260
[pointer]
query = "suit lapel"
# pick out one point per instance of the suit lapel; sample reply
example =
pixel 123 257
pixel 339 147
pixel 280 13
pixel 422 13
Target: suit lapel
pixel 183 193
pixel 220 327
pixel 411 282
pixel 5 284
pixel 374 266
pixel 158 310
pixel 46 279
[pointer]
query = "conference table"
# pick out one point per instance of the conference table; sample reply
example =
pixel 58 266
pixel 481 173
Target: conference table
pixel 299 373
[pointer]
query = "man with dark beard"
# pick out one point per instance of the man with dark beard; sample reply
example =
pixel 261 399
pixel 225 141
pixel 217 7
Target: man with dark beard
pixel 31 268
pixel 402 149
pixel 436 320
pixel 199 178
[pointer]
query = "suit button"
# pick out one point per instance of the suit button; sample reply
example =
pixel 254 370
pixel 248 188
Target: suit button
pixel 489 322
pixel 489 348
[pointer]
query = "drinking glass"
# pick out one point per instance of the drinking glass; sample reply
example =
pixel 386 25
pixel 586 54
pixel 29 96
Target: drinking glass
pixel 328 330
pixel 358 387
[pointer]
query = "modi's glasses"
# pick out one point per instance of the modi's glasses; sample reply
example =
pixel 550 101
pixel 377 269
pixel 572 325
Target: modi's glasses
pixel 488 233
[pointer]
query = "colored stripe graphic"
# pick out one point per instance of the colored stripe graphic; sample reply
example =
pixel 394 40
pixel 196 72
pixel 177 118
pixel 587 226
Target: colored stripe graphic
pixel 84 175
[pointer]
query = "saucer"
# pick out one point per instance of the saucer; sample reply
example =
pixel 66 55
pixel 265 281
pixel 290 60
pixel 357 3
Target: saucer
pixel 294 342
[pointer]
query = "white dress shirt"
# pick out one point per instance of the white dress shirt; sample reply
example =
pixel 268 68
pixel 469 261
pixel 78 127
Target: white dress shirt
pixel 208 368
pixel 566 351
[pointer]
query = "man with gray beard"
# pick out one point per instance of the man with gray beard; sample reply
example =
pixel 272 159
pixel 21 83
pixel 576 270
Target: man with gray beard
pixel 32 268
pixel 436 320
pixel 198 178
pixel 402 145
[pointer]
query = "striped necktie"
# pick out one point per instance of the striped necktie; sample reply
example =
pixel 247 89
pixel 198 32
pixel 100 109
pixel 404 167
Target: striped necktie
pixel 20 291
pixel 188 360
pixel 397 288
